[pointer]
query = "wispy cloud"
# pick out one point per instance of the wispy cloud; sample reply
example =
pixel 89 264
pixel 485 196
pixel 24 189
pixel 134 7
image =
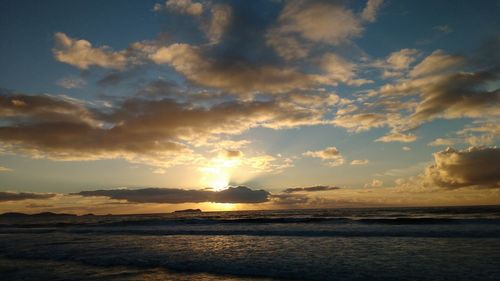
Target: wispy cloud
pixel 375 183
pixel 330 155
pixel 18 196
pixel 5 169
pixel 310 189
pixel 360 162
pixel 443 28
pixel 441 142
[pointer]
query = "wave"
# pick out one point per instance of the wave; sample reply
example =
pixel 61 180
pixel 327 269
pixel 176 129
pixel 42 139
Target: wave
pixel 54 268
pixel 414 233
pixel 253 221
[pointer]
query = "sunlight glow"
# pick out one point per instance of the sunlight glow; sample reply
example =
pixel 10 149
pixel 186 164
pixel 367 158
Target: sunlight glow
pixel 223 206
pixel 218 174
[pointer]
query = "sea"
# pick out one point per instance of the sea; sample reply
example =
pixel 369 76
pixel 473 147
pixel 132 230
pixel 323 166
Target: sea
pixel 438 243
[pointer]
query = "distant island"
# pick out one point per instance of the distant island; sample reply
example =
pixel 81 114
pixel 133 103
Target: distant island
pixel 16 215
pixel 188 211
pixel 44 214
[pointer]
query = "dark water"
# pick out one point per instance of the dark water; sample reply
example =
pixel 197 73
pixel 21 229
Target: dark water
pixel 458 243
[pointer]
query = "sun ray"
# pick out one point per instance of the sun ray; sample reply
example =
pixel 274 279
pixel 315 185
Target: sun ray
pixel 217 175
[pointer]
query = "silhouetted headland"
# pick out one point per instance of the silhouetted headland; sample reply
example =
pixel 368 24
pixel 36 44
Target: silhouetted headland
pixel 44 214
pixel 188 211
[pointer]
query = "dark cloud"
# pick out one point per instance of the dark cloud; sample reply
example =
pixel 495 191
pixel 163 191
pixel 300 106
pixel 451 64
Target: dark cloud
pixel 475 166
pixel 30 108
pixel 233 153
pixel 18 196
pixel 311 189
pixel 232 75
pixel 459 95
pixel 201 65
pixel 137 129
pixel 240 194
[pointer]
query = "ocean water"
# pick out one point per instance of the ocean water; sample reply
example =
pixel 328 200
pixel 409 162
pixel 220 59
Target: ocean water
pixel 452 243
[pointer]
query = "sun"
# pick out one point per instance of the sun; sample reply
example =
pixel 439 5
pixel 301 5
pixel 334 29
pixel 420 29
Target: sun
pixel 219 183
pixel 215 177
pixel 218 174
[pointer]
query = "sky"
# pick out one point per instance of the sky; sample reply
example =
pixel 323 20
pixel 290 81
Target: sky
pixel 154 106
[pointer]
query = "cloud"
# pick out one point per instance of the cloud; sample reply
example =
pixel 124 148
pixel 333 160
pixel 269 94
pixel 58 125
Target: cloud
pixel 360 162
pixel 267 163
pixel 458 95
pixel 326 22
pixel 331 155
pixel 478 133
pixel 361 122
pixel 18 196
pixel 311 100
pixel 475 166
pixel 71 82
pixel 213 24
pixel 183 6
pixel 481 133
pixel 240 194
pixel 35 205
pixel 5 169
pixel 402 58
pixel 42 108
pixel 289 199
pixel 155 132
pixel 301 23
pixel 443 28
pixel 81 53
pixel 338 69
pixel 233 153
pixel 246 77
pixel 370 11
pixel 219 21
pixel 64 129
pixel 234 77
pixel 310 189
pixel 375 183
pixel 371 109
pixel 287 47
pixel 479 140
pixel 397 63
pixel 159 171
pixel 440 86
pixel 233 165
pixel 436 62
pixel 441 142
pixel 406 171
pixel 230 144
pixel 397 137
